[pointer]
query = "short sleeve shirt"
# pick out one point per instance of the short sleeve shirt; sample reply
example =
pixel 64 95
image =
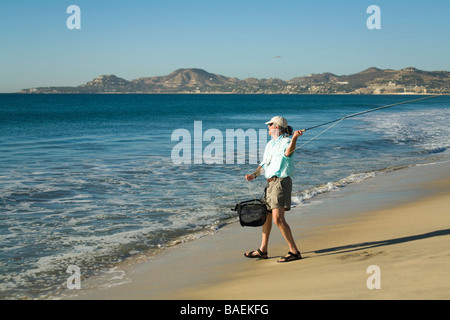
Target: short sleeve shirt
pixel 275 162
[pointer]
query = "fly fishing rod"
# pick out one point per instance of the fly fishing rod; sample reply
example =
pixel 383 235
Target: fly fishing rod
pixel 336 121
pixel 371 110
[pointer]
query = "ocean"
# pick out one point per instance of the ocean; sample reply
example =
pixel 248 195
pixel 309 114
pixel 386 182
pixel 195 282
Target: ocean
pixel 93 180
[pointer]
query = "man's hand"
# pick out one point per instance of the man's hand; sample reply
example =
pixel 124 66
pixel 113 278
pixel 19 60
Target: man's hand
pixel 298 133
pixel 250 177
pixel 291 148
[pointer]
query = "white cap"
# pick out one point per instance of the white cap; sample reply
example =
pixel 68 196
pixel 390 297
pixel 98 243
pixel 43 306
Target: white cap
pixel 279 121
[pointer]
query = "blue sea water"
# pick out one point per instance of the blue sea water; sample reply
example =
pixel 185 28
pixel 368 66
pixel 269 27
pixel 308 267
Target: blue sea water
pixel 89 180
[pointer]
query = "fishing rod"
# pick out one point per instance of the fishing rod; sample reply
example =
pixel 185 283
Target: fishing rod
pixel 371 110
pixel 336 121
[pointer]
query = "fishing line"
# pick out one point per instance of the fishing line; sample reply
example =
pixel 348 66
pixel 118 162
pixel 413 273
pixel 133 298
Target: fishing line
pixel 336 121
pixel 315 137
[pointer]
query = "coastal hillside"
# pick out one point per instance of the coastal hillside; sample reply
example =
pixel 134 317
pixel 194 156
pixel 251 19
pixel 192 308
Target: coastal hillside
pixel 193 80
pixel 185 80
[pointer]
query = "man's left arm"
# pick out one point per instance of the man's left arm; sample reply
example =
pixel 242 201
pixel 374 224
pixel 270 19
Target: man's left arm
pixel 291 147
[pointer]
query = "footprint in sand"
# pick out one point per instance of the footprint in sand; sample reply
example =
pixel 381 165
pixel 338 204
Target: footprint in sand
pixel 362 255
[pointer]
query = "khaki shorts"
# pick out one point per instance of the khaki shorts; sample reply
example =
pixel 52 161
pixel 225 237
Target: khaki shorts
pixel 278 193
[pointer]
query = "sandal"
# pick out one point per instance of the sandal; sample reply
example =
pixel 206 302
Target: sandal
pixel 291 257
pixel 260 255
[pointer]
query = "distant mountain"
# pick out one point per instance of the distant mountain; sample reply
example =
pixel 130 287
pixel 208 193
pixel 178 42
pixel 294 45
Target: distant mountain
pixel 108 82
pixel 374 80
pixel 184 80
pixel 193 80
pixel 355 80
pixel 361 79
pixel 316 78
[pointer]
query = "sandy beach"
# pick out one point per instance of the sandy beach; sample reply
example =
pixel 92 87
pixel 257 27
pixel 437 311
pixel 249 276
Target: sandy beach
pixel 398 222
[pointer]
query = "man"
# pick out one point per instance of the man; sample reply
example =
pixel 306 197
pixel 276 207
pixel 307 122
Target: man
pixel 278 167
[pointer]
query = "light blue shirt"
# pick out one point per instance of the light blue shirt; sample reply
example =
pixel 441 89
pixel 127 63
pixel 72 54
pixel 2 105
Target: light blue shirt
pixel 275 162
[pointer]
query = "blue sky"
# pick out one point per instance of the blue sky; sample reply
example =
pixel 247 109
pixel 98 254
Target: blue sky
pixel 138 38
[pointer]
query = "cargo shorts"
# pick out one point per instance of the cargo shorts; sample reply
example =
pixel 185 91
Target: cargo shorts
pixel 278 193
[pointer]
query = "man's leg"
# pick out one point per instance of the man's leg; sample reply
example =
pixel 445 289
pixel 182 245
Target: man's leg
pixel 267 226
pixel 266 233
pixel 278 218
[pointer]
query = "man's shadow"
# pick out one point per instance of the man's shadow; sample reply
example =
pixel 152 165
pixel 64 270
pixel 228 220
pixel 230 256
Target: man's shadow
pixel 375 244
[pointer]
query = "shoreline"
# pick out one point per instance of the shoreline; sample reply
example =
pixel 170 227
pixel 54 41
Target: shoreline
pixel 228 93
pixel 380 221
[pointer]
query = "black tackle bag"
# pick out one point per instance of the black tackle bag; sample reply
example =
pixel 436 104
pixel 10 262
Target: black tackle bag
pixel 252 213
